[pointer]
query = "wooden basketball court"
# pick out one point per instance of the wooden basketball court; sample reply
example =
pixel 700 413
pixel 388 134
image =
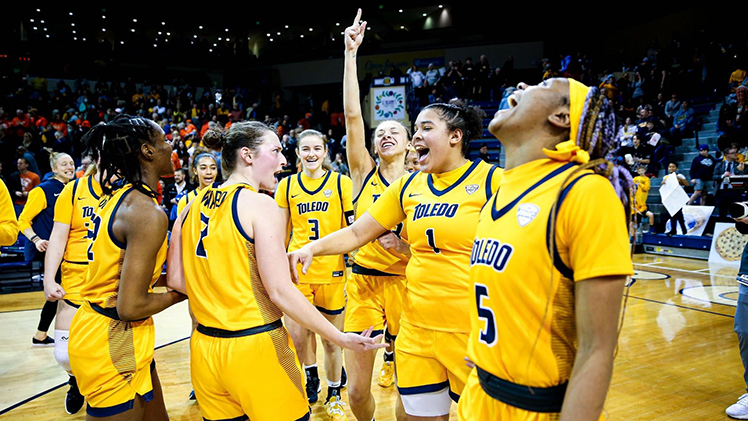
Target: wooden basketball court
pixel 677 359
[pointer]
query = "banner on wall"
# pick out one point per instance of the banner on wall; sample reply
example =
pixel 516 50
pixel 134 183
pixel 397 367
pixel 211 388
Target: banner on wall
pixel 695 217
pixel 727 244
pixel 388 103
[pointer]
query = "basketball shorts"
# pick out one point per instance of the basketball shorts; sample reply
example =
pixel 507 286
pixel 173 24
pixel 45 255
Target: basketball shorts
pixel 374 301
pixel 257 376
pixel 111 360
pixel 73 279
pixel 476 404
pixel 430 369
pixel 328 298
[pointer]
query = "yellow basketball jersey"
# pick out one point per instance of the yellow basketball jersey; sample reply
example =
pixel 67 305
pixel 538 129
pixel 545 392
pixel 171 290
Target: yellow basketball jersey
pixel 442 213
pixel 317 207
pixel 220 267
pixel 75 207
pixel 184 200
pixel 373 255
pixel 642 191
pixel 106 253
pixel 510 268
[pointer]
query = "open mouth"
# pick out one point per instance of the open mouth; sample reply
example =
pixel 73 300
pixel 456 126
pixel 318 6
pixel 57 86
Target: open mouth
pixel 513 100
pixel 422 152
pixel 386 144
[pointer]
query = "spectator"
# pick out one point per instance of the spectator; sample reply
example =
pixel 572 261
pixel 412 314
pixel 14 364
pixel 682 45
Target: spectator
pixel 339 165
pixel 483 86
pixel 626 132
pixel 722 171
pixel 671 107
pixel 236 114
pixel 637 86
pixel 610 87
pixel 496 82
pixel 702 171
pixel 643 184
pixel 484 153
pixel 636 155
pixel 683 122
pixel 432 75
pixel 416 77
pixel 27 180
pixel 672 170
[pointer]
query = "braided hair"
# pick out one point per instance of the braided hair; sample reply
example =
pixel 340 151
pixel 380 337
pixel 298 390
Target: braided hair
pixel 118 143
pixel 457 115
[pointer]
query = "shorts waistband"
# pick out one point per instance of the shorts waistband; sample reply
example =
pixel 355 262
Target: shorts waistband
pixel 75 263
pixel 360 270
pixel 222 333
pixel 111 312
pixel 535 399
pixel 72 304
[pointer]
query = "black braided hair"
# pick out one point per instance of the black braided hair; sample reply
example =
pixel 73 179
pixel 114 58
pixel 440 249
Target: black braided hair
pixel 469 119
pixel 118 143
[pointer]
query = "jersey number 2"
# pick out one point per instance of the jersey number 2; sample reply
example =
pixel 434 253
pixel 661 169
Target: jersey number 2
pixel 488 335
pixel 96 221
pixel 200 249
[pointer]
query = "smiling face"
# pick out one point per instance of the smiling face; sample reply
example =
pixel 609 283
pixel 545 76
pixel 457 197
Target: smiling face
pixel 311 151
pixel 161 152
pixel 411 161
pixel 267 161
pixel 205 170
pixel 64 168
pixel 390 140
pixel 530 108
pixel 436 145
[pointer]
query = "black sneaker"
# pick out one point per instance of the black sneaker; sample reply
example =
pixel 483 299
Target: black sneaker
pixel 44 343
pixel 313 387
pixel 73 399
pixel 343 379
pixel 192 395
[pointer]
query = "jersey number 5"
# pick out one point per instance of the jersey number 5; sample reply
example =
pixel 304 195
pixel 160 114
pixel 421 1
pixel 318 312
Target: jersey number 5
pixel 200 249
pixel 487 335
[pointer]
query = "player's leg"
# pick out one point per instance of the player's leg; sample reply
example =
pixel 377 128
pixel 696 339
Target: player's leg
pixel 65 312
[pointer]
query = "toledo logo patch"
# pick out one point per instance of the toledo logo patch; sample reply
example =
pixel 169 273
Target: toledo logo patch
pixel 472 188
pixel 526 212
pixel 327 193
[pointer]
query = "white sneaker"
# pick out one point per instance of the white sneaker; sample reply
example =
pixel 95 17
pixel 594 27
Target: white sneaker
pixel 739 410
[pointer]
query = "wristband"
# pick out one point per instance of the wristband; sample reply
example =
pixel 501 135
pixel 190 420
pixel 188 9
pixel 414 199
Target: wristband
pixel 34 238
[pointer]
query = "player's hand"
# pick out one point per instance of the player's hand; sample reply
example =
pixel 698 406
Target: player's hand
pixel 53 291
pixel 354 34
pixel 390 241
pixel 41 245
pixel 303 257
pixel 362 342
pixel 741 220
pixel 469 363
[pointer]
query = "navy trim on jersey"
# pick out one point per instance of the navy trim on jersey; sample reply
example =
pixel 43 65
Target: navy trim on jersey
pixel 75 189
pixel 428 388
pixel 366 180
pixel 91 189
pixel 327 177
pixel 489 184
pixel 330 312
pixel 465 175
pixel 361 270
pixel 288 190
pixel 235 215
pixel 111 223
pixel 496 214
pixel 557 262
pixel 455 397
pixel 116 409
pixel 381 177
pixel 373 332
pixel 405 186
pixel 340 193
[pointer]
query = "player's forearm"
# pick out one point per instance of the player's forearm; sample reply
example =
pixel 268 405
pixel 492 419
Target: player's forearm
pixel 350 87
pixel 293 303
pixel 53 258
pixel 588 386
pixel 344 240
pixel 146 305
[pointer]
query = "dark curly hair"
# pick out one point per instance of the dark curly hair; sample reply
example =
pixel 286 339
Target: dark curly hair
pixel 466 118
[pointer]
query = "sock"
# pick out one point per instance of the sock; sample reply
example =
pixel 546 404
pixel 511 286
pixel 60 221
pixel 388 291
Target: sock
pixel 333 384
pixel 312 370
pixel 389 356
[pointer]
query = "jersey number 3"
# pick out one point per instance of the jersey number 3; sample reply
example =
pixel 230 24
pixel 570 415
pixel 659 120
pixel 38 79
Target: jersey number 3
pixel 200 249
pixel 487 335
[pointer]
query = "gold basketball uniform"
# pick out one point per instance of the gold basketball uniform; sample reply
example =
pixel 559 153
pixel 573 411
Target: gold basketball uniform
pixel 240 337
pixel 318 207
pixel 377 284
pixel 112 359
pixel 184 200
pixel 442 213
pixel 510 285
pixel 75 207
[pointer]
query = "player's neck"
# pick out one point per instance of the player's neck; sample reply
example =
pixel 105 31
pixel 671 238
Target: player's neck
pixel 316 173
pixel 526 150
pixel 239 178
pixel 391 171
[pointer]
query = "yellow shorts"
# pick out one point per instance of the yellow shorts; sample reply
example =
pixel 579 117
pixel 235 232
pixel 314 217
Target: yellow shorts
pixel 73 279
pixel 257 375
pixel 429 361
pixel 475 404
pixel 328 298
pixel 374 301
pixel 111 359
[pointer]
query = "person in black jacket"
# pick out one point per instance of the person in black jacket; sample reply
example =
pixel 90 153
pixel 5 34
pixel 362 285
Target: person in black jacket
pixel 702 171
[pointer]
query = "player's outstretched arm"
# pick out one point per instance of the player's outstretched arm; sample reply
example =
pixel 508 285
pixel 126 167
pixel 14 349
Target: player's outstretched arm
pixel 597 307
pixel 268 233
pixel 58 240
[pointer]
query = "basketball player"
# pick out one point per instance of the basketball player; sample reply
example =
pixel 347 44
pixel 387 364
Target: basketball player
pixel 243 362
pixel 441 204
pixel 68 252
pixel 315 203
pixel 8 221
pixel 549 262
pixel 203 170
pixel 112 334
pixel 376 287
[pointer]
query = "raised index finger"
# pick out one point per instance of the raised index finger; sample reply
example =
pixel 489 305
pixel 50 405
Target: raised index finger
pixel 358 17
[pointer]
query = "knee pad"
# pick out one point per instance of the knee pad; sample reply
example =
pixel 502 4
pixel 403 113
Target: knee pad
pixel 61 349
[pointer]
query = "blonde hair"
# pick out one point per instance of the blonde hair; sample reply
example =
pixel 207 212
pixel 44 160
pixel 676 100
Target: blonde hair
pixel 54 157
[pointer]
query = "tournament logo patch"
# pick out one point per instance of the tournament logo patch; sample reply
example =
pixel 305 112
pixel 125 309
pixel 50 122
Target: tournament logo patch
pixel 327 193
pixel 472 188
pixel 526 212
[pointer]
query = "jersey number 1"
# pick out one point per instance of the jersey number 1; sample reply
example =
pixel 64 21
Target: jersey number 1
pixel 431 240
